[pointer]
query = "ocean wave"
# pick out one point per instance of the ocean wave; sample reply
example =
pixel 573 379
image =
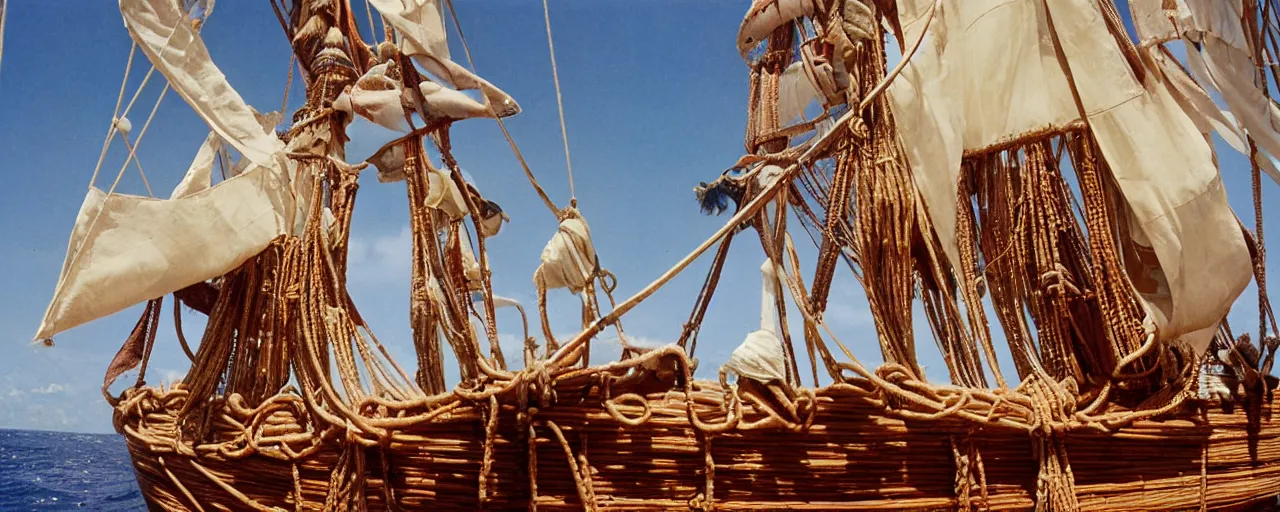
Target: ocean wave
pixel 46 471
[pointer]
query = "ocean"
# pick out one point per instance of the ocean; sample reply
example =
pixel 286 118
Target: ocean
pixel 47 471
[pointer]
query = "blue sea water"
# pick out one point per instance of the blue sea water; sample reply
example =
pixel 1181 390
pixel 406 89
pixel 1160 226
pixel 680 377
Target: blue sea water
pixel 46 471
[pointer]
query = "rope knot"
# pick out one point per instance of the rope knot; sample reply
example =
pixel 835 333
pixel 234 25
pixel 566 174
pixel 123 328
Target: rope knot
pixel 536 381
pixel 1059 282
pixel 1052 404
pixel 122 125
pixel 608 281
pixel 700 503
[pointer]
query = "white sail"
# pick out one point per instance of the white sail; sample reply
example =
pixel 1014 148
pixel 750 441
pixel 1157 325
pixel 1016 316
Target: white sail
pixel 761 357
pixel 1166 171
pixel 200 175
pixel 998 69
pixel 795 92
pixel 1151 21
pixel 128 249
pixel 164 33
pixel 377 98
pixel 989 73
pixel 1219 56
pixel 985 74
pixel 420 24
pixel 470 265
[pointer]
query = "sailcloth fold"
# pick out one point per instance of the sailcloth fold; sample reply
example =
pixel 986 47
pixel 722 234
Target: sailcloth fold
pixel 985 74
pixel 376 97
pixel 127 249
pixel 989 73
pixel 1220 59
pixel 569 258
pixel 420 24
pixel 200 175
pixel 1166 171
pixel 164 33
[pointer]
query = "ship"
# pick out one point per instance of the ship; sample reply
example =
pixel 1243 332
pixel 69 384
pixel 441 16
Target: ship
pixel 1028 173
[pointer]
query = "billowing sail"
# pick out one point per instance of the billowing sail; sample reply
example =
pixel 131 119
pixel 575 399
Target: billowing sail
pixel 989 74
pixel 127 249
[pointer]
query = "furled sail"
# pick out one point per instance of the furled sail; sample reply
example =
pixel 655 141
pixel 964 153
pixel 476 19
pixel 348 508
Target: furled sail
pixel 569 258
pixel 420 24
pixel 376 97
pixel 126 249
pixel 989 74
pixel 761 357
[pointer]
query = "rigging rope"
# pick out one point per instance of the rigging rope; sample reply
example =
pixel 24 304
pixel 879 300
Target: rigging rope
pixel 288 84
pixel 115 114
pixel 555 75
pixel 2 17
pixel 132 148
pixel 523 164
pixel 373 30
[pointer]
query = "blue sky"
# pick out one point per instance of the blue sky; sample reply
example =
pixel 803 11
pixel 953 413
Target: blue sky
pixel 655 101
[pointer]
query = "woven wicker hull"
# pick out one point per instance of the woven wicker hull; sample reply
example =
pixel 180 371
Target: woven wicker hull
pixel 855 456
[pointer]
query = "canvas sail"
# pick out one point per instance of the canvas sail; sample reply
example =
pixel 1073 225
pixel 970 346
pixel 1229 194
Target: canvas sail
pixel 165 35
pixel 984 75
pixel 990 74
pixel 420 25
pixel 1166 171
pixel 1219 56
pixel 127 249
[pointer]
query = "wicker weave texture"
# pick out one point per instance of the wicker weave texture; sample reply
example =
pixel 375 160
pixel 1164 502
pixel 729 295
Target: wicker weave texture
pixel 855 456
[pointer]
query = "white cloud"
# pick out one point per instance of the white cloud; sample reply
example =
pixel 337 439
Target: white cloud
pixel 611 340
pixel 848 308
pixel 366 137
pixel 379 259
pixel 171 376
pixel 52 388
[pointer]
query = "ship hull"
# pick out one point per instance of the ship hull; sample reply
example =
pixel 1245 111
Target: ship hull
pixel 856 455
